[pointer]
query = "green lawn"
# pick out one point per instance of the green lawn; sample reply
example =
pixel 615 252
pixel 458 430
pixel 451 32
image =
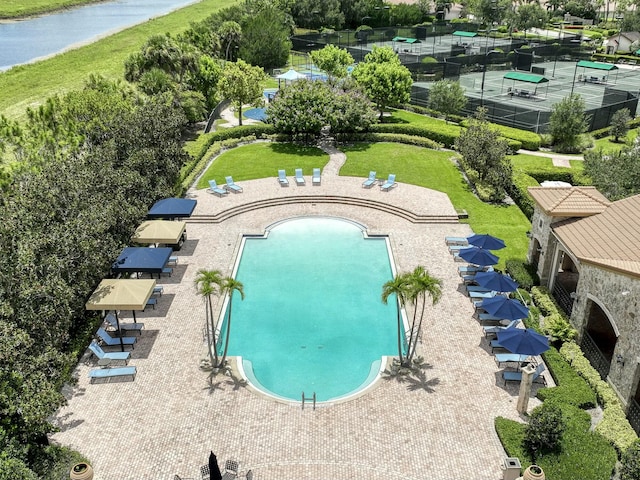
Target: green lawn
pixel 608 145
pixel 262 160
pixel 404 116
pixel 22 8
pixel 29 85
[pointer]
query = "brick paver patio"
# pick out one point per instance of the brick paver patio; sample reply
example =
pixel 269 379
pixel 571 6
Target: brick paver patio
pixel 168 419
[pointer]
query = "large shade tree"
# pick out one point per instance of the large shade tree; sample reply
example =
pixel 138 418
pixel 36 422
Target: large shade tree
pixel 242 84
pixel 333 60
pixel 383 78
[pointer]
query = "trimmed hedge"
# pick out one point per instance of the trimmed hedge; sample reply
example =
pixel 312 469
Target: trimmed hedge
pixel 520 195
pixel 444 134
pixel 614 425
pixel 556 323
pixel 571 388
pixel 605 132
pixel 391 137
pixel 529 140
pixel 259 130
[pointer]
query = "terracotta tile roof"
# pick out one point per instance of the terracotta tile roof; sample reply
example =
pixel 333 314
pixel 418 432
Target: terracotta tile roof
pixel 569 201
pixel 608 239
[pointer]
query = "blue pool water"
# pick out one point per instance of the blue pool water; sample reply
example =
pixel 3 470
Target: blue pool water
pixel 312 319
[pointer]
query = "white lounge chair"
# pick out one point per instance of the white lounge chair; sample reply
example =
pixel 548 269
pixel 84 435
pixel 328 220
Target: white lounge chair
pixel 389 183
pixel 282 178
pixel 371 179
pixel 299 177
pixel 110 372
pixel 214 188
pixel 231 185
pixel 315 179
pixel 101 354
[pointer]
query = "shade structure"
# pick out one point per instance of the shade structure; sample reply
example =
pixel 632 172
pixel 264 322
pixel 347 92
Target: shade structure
pixel 214 469
pixel 503 307
pixel 121 294
pixel 478 256
pixel 291 74
pixel 523 341
pixel 486 241
pixel 171 208
pixel 496 281
pixel 142 259
pixel 159 231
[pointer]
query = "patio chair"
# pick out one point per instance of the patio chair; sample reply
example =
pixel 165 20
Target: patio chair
pixel 152 302
pixel 110 318
pixel 114 342
pixel 483 295
pixel 456 248
pixel 231 185
pixel 172 261
pixel 389 183
pixel 214 188
pixel 509 358
pixel 488 329
pixel 282 178
pixel 456 241
pixel 110 372
pixel 101 354
pixel 476 288
pixel 158 290
pixel 509 376
pixel 487 317
pixel 299 177
pixel 315 178
pixel 370 180
pixel 230 470
pixel 204 472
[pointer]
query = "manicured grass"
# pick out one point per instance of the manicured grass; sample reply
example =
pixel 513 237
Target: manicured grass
pixel 263 160
pixel 29 85
pixel 22 8
pixel 404 116
pixel 608 145
pixel 434 169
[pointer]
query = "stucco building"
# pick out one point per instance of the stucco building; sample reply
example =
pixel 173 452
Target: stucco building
pixel 587 252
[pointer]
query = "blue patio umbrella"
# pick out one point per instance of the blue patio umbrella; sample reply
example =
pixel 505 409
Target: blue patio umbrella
pixel 172 208
pixel 478 256
pixel 523 341
pixel 496 281
pixel 503 307
pixel 486 241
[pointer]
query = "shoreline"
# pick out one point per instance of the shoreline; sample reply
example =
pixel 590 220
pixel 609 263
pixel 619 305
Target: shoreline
pixel 48 11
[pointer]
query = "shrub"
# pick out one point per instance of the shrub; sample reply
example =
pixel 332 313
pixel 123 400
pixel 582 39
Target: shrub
pixel 429 60
pixel 520 195
pixel 572 389
pixel 391 137
pixel 545 429
pixel 630 462
pixel 523 273
pixel 556 323
pixel 528 140
pixel 444 134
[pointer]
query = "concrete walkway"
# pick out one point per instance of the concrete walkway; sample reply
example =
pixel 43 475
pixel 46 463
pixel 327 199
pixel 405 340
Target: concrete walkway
pixel 558 159
pixel 437 424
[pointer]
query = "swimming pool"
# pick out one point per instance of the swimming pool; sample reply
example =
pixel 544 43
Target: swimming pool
pixel 312 319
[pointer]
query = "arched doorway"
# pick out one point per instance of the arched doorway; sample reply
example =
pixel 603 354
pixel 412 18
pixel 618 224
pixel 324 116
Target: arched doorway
pixel 599 339
pixel 565 282
pixel 535 254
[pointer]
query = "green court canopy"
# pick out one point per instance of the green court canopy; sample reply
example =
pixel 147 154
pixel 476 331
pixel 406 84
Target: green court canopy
pixel 406 40
pixel 638 52
pixel 597 65
pixel 459 33
pixel 526 77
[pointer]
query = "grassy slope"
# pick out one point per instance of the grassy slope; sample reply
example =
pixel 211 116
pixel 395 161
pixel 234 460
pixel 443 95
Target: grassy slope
pixel 30 85
pixel 22 8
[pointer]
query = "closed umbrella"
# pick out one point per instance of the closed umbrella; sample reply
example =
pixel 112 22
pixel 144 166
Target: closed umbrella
pixel 496 281
pixel 523 341
pixel 503 307
pixel 478 256
pixel 214 469
pixel 486 241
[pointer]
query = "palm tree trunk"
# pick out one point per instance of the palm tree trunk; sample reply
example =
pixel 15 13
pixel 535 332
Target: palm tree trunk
pixel 226 336
pixel 412 351
pixel 400 336
pixel 240 114
pixel 213 334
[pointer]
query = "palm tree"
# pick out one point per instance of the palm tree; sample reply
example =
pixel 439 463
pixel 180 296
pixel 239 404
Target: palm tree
pixel 208 284
pixel 229 286
pixel 421 284
pixel 399 287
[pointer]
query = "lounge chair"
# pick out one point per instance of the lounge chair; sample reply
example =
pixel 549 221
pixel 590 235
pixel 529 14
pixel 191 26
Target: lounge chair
pixel 487 317
pixel 483 295
pixel 134 327
pixel 112 341
pixel 509 376
pixel 110 372
pixel 158 290
pixel 370 180
pixel 101 354
pixel 498 328
pixel 389 183
pixel 509 358
pixel 476 288
pixel 299 177
pixel 282 178
pixel 172 261
pixel 214 188
pixel 167 271
pixel 231 185
pixel 151 303
pixel 456 241
pixel 457 248
pixel 472 269
pixel 315 178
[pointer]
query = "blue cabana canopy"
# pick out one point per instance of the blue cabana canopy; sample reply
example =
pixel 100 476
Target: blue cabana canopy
pixel 171 208
pixel 142 259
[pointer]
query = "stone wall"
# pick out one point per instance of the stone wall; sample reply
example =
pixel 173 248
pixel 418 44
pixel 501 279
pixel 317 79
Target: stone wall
pixel 618 296
pixel 541 224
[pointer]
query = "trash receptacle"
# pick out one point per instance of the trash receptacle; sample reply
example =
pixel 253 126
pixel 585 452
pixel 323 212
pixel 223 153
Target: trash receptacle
pixel 511 468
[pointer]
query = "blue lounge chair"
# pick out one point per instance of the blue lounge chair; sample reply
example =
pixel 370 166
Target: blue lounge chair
pixel 214 188
pixel 101 354
pixel 135 327
pixel 110 372
pixel 509 358
pixel 315 178
pixel 389 183
pixel 495 344
pixel 498 328
pixel 509 376
pixel 231 185
pixel 172 261
pixel 299 177
pixel 152 302
pixel 472 269
pixel 482 295
pixel 457 248
pixel 167 271
pixel 370 180
pixel 114 342
pixel 456 241
pixel 158 290
pixel 487 317
pixel 282 178
pixel 476 288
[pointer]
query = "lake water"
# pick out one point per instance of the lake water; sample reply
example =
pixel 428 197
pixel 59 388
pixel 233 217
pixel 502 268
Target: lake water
pixel 27 40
